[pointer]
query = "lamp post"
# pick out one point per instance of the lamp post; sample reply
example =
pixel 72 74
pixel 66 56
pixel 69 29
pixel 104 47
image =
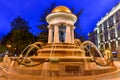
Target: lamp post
pixel 8 46
pixel 107 54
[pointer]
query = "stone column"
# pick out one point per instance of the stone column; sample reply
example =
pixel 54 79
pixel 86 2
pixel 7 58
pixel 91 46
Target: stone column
pixel 72 36
pixel 50 35
pixel 68 35
pixel 116 35
pixel 98 36
pixel 114 19
pixel 56 34
pixel 116 31
pixel 116 42
pixel 103 36
pixel 109 44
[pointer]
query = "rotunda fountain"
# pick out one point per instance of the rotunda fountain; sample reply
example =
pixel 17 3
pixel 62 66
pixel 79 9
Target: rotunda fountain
pixel 62 55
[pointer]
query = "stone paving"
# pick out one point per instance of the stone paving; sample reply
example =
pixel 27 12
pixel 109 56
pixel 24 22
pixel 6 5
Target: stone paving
pixel 108 76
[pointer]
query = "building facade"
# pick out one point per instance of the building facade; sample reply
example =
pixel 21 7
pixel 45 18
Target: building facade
pixel 106 35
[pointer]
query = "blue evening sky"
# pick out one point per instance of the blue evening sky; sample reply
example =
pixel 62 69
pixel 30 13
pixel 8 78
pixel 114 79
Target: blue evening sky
pixel 31 10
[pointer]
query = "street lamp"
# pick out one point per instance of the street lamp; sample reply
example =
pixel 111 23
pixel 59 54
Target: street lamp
pixel 8 46
pixel 107 54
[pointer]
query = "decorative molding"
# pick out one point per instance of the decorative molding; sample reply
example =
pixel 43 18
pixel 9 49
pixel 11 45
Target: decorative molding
pixel 61 16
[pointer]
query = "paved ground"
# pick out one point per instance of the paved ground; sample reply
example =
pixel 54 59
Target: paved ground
pixel 108 76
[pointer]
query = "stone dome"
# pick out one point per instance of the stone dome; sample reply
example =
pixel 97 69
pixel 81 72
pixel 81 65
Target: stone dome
pixel 61 9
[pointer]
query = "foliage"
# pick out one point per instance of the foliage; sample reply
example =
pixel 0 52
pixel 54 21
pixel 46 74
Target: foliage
pixel 77 24
pixel 43 37
pixel 19 24
pixel 19 37
pixel 1 59
pixel 2 49
pixel 78 36
pixel 46 12
pixel 78 27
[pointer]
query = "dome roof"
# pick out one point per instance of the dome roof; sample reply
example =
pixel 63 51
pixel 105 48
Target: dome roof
pixel 61 9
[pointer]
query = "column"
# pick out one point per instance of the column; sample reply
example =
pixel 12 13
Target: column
pixel 68 35
pixel 50 35
pixel 116 31
pixel 103 32
pixel 56 34
pixel 103 36
pixel 116 36
pixel 98 38
pixel 116 43
pixel 109 43
pixel 114 19
pixel 107 24
pixel 72 37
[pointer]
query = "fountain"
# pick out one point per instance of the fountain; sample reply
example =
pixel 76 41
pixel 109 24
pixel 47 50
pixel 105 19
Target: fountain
pixel 62 56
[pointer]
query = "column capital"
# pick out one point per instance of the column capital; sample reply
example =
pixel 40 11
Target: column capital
pixel 57 24
pixel 69 25
pixel 66 24
pixel 50 26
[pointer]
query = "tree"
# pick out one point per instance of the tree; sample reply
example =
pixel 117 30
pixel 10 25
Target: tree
pixel 20 24
pixel 78 36
pixel 19 37
pixel 78 27
pixel 43 37
pixel 77 24
pixel 2 48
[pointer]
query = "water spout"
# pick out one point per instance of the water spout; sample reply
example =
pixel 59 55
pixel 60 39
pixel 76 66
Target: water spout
pixel 86 43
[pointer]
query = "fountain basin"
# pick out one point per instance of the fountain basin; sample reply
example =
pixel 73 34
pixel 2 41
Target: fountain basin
pixel 60 72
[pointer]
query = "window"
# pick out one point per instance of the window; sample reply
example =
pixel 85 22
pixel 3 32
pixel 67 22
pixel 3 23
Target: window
pixel 106 46
pixel 100 28
pixel 118 28
pixel 117 16
pixel 105 25
pixel 112 33
pixel 102 49
pixel 113 46
pixel 110 21
pixel 101 38
pixel 119 42
pixel 106 35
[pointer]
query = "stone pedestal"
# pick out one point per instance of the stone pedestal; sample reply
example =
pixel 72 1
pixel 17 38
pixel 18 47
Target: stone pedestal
pixel 6 60
pixel 46 69
pixel 14 64
pixel 56 34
